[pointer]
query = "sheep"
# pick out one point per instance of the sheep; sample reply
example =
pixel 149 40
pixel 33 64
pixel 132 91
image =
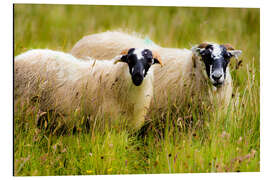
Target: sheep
pixel 213 60
pixel 184 74
pixel 65 84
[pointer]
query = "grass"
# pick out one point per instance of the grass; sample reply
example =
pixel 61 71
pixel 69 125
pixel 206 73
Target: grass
pixel 212 141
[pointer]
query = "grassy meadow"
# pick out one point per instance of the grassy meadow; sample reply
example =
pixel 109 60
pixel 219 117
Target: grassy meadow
pixel 209 141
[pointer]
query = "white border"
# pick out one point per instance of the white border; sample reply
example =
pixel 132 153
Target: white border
pixel 6 81
pixel 196 3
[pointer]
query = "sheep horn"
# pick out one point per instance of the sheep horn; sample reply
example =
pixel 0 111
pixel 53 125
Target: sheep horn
pixel 202 45
pixel 157 57
pixel 117 61
pixel 228 47
pixel 124 52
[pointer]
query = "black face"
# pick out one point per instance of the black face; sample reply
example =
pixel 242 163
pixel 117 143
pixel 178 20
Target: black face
pixel 216 59
pixel 139 61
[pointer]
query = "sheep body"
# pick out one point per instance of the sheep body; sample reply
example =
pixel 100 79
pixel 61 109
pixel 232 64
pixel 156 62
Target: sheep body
pixel 115 42
pixel 66 84
pixel 175 83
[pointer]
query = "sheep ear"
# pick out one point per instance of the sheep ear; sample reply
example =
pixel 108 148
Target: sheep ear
pixel 235 53
pixel 232 52
pixel 122 57
pixel 195 50
pixel 199 49
pixel 157 58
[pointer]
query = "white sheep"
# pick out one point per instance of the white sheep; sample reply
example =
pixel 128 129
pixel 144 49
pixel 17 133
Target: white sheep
pixel 66 84
pixel 183 76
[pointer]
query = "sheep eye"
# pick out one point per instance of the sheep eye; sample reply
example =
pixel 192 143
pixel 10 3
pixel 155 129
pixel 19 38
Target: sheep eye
pixel 150 60
pixel 208 52
pixel 131 59
pixel 205 52
pixel 227 55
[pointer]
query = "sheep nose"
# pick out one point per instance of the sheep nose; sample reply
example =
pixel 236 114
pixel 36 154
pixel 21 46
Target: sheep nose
pixel 216 76
pixel 137 79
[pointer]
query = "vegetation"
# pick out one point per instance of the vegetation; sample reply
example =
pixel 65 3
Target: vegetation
pixel 176 141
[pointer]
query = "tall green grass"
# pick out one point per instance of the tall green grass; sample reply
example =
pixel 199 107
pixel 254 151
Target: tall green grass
pixel 176 141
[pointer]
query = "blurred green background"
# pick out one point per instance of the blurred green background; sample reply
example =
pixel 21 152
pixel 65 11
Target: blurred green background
pixel 232 142
pixel 60 26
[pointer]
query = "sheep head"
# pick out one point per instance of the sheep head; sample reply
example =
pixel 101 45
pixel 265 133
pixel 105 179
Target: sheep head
pixel 216 59
pixel 139 62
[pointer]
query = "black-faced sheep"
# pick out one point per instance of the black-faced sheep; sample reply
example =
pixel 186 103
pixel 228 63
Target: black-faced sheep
pixel 66 84
pixel 186 73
